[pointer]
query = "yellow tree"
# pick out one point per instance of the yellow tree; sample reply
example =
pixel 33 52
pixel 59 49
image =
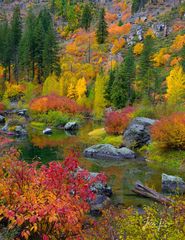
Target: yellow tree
pixel 138 48
pixel 99 100
pixel 51 85
pixel 81 87
pixel 71 91
pixel 176 85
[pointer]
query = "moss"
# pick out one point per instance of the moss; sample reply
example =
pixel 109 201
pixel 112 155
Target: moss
pixel 37 124
pixel 97 133
pixel 114 140
pixel 170 159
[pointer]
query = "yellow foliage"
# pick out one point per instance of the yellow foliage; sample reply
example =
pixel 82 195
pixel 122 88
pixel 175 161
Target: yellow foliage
pixel 176 85
pixel 138 48
pixel 71 91
pixel 178 43
pixel 81 87
pixel 161 57
pixel 51 85
pixel 1 71
pixel 99 100
pixel 150 32
pixel 99 132
pixel 13 90
pixel 117 46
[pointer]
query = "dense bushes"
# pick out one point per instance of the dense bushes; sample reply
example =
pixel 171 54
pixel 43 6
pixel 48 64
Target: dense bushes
pixel 55 103
pixel 49 202
pixel 117 121
pixel 169 132
pixel 155 222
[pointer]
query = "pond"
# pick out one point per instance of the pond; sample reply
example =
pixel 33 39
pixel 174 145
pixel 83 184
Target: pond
pixel 121 175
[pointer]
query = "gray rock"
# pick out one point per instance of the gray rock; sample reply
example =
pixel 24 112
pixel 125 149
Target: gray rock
pixel 107 151
pixel 71 126
pixel 22 112
pixel 47 131
pixel 98 204
pixel 20 130
pixel 172 184
pixel 138 132
pixel 5 128
pixel 2 119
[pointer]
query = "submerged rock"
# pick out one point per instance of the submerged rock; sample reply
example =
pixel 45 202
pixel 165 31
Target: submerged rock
pixel 47 131
pixel 107 151
pixel 71 126
pixel 172 184
pixel 137 133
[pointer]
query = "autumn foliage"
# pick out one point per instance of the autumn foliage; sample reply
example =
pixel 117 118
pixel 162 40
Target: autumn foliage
pixel 117 121
pixel 54 102
pixel 2 107
pixel 169 132
pixel 47 202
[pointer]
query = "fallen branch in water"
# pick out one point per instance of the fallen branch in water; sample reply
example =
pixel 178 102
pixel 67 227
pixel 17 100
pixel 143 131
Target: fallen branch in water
pixel 142 190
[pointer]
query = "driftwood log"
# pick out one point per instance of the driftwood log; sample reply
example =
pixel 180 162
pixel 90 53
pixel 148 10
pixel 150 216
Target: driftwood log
pixel 142 190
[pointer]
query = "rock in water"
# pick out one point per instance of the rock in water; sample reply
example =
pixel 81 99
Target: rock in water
pixel 20 130
pixel 2 119
pixel 47 131
pixel 71 126
pixel 172 184
pixel 137 133
pixel 107 151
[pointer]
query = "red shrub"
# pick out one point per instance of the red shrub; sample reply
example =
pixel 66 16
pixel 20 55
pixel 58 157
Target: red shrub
pixel 117 121
pixel 169 132
pixel 47 202
pixel 54 102
pixel 2 106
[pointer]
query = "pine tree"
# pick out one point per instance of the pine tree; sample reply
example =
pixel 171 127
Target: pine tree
pixel 16 32
pixel 130 73
pixel 109 85
pixel 86 17
pixel 102 32
pixel 39 46
pixel 146 66
pixel 27 47
pixel 50 50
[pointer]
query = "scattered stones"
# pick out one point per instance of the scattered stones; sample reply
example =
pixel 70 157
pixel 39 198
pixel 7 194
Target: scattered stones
pixel 71 126
pixel 107 151
pixel 47 131
pixel 19 130
pixel 172 184
pixel 138 132
pixel 22 112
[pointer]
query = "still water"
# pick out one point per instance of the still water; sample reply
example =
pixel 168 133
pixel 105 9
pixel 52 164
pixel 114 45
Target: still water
pixel 121 175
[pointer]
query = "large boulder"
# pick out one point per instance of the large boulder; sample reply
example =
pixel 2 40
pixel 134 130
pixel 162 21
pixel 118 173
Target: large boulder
pixel 100 203
pixel 71 126
pixel 2 119
pixel 172 184
pixel 138 132
pixel 107 151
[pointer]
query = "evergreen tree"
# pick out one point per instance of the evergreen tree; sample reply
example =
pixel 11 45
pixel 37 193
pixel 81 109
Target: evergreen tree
pixel 86 17
pixel 102 32
pixel 50 59
pixel 110 82
pixel 39 36
pixel 27 47
pixel 119 92
pixel 16 31
pixel 146 66
pixel 130 73
pixel 137 5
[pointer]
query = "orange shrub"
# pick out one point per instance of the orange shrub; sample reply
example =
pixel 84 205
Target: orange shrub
pixel 169 132
pixel 117 121
pixel 54 102
pixel 2 107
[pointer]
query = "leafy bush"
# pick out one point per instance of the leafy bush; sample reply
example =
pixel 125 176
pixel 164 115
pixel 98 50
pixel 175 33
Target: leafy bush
pixel 169 132
pixel 49 202
pixel 155 222
pixel 56 103
pixel 2 106
pixel 117 121
pixel 14 90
